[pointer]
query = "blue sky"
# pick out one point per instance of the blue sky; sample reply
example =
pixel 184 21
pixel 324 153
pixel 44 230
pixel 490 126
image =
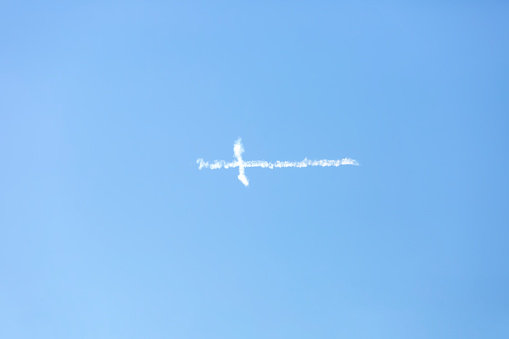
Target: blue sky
pixel 109 230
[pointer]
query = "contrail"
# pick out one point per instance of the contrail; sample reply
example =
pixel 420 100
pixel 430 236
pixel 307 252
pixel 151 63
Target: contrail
pixel 238 149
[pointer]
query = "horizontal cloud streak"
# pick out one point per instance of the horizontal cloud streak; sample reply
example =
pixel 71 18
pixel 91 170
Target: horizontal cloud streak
pixel 217 164
pixel 238 149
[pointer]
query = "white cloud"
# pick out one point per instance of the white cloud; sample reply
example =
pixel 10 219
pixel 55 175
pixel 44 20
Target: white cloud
pixel 238 149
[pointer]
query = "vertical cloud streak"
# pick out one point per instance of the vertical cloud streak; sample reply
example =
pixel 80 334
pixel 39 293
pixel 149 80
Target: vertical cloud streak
pixel 238 149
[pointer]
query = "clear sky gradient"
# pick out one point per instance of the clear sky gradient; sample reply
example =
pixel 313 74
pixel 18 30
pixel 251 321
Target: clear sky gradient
pixel 109 230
